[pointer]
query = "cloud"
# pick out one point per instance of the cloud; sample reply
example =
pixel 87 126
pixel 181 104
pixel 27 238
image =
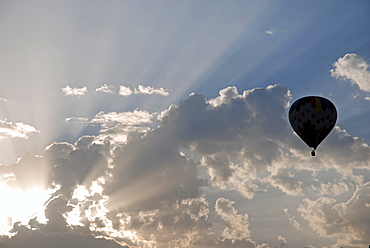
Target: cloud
pixel 285 181
pixel 15 130
pixel 284 243
pixel 68 91
pixel 105 88
pixel 331 219
pixel 117 126
pixel 354 68
pixel 271 31
pixel 151 188
pixel 292 220
pixel 331 188
pixel 135 117
pixel 340 150
pixel 125 91
pixel 147 90
pixel 237 225
pixel 38 239
pixel 58 171
pixel 150 90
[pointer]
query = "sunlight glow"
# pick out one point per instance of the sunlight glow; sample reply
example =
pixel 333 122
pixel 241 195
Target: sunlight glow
pixel 18 205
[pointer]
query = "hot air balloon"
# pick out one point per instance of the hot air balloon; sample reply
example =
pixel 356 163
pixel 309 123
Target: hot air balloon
pixel 312 118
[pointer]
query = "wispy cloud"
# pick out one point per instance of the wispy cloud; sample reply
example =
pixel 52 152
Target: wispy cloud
pixel 271 31
pixel 105 88
pixel 68 91
pixel 19 130
pixel 118 125
pixel 354 68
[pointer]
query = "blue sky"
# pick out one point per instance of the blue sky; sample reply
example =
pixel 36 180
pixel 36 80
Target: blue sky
pixel 164 124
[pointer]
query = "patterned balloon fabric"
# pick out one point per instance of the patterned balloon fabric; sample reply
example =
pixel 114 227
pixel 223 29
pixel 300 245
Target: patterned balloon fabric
pixel 312 118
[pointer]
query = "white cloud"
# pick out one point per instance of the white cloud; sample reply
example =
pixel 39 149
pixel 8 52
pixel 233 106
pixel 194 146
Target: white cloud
pixel 105 88
pixel 354 68
pixel 68 91
pixel 18 130
pixel 148 90
pixel 125 91
pixel 271 31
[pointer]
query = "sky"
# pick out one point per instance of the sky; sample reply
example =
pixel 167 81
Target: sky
pixel 164 124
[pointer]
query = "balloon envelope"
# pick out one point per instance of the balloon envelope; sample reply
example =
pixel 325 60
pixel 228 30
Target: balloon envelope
pixel 312 118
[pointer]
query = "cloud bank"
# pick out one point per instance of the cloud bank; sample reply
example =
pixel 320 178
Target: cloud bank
pixel 152 188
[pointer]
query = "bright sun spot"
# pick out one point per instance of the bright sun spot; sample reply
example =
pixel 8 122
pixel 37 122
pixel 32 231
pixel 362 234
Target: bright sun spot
pixel 18 205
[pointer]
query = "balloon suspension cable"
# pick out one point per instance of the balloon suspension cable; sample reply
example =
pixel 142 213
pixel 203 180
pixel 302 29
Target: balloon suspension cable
pixel 313 153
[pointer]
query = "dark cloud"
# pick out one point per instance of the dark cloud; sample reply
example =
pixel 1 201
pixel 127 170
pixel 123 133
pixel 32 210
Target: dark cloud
pixel 38 239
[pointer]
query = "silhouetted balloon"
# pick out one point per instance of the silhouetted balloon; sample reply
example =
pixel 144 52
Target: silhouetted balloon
pixel 312 118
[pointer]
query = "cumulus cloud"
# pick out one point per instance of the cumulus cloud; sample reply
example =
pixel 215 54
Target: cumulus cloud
pixel 151 189
pixel 105 88
pixel 141 89
pixel 68 91
pixel 348 221
pixel 18 130
pixel 354 68
pixel 125 91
